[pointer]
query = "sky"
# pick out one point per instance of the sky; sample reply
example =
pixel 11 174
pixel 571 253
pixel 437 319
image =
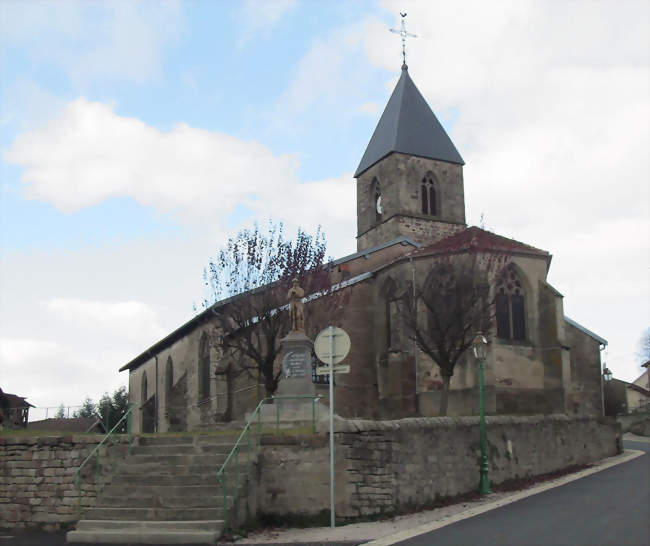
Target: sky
pixel 136 137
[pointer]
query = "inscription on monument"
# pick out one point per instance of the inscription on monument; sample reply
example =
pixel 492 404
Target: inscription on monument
pixel 296 364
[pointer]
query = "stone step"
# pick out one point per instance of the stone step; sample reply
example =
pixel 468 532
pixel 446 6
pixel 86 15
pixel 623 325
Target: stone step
pixel 168 478
pixel 127 490
pixel 137 468
pixel 127 473
pixel 143 537
pixel 187 449
pixel 156 501
pixel 188 459
pixel 192 525
pixel 153 514
pixel 199 439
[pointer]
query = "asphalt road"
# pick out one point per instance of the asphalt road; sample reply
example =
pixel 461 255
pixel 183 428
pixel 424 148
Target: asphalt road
pixel 611 507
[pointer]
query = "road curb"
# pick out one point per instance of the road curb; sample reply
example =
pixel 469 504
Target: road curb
pixel 626 456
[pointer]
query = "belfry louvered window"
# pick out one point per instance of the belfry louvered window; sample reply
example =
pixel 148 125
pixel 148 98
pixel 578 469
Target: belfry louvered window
pixel 510 306
pixel 428 195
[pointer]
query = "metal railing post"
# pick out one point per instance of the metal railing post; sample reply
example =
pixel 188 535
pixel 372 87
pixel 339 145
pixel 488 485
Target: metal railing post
pixel 248 453
pixel 76 478
pixel 233 456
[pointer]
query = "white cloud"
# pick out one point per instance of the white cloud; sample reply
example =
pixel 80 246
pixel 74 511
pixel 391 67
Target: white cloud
pixel 130 320
pixel 61 343
pixel 25 104
pixel 49 373
pixel 89 154
pixel 127 38
pixel 260 16
pixel 370 108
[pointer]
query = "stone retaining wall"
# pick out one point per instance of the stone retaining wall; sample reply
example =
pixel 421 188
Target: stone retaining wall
pixel 36 488
pixel 395 466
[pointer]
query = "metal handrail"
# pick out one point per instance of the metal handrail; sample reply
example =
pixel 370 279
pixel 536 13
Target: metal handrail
pixel 76 479
pixel 234 452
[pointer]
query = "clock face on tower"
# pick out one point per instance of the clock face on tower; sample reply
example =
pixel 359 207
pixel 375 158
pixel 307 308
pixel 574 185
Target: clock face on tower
pixel 378 203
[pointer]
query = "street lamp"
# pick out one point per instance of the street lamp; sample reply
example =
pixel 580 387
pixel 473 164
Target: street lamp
pixel 479 347
pixel 607 374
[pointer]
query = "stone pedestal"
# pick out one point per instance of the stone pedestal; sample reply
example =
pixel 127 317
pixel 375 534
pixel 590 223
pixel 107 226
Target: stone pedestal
pixel 296 378
pixel 295 358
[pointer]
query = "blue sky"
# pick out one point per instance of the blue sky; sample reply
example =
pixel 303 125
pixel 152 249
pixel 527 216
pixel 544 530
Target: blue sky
pixel 212 74
pixel 136 136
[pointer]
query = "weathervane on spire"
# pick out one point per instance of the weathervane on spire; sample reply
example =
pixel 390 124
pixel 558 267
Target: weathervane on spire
pixel 403 33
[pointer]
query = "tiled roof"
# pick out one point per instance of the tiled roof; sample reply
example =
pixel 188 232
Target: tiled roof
pixel 72 424
pixel 408 125
pixel 476 238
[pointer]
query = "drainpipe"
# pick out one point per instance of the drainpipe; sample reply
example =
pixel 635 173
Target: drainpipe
pixel 155 421
pixel 602 384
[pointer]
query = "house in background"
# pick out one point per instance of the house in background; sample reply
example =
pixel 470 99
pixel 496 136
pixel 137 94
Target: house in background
pixel 78 425
pixel 644 379
pixel 14 410
pixel 622 398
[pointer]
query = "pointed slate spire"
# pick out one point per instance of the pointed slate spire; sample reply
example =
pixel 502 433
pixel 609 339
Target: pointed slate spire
pixel 408 126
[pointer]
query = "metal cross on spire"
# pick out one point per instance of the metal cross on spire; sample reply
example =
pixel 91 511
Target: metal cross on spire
pixel 403 33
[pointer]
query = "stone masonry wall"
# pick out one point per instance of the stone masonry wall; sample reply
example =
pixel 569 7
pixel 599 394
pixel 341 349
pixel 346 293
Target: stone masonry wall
pixel 36 488
pixel 384 467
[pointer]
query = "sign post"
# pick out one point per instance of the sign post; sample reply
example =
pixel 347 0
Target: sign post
pixel 331 346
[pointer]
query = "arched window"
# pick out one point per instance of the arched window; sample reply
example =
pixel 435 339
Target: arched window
pixel 169 378
pixel 393 321
pixel 143 388
pixel 428 193
pixel 510 305
pixel 204 368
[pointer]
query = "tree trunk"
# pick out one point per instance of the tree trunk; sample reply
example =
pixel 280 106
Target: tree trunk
pixel 445 395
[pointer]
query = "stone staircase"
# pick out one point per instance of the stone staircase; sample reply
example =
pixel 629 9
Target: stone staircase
pixel 165 492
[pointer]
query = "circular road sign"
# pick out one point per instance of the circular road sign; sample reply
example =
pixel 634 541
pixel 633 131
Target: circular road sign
pixel 341 343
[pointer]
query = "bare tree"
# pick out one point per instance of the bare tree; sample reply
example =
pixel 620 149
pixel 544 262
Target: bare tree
pixel 444 314
pixel 254 272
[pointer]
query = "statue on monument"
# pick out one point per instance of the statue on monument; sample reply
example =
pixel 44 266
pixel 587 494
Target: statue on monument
pixel 296 307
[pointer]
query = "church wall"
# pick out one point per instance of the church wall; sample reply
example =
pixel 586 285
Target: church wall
pixel 585 396
pixel 356 392
pixel 399 177
pixel 184 353
pixel 516 372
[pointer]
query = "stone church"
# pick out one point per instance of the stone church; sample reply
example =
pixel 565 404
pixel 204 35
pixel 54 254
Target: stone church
pixel 410 213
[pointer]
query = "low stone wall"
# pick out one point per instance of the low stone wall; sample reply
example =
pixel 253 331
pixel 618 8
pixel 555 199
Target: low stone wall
pixel 36 488
pixel 385 467
pixel 631 419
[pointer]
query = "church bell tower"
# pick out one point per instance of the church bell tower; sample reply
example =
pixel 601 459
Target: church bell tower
pixel 410 179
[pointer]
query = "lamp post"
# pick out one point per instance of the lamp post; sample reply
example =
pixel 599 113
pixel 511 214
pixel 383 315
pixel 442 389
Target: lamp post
pixel 479 347
pixel 605 378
